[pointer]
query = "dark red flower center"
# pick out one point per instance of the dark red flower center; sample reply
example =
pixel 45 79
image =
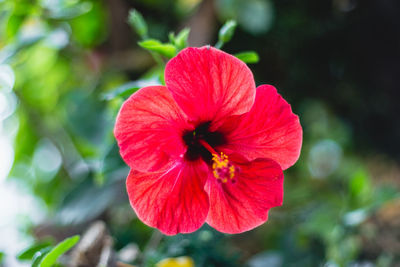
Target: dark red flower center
pixel 195 149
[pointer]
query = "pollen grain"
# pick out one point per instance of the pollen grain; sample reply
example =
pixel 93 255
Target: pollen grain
pixel 223 170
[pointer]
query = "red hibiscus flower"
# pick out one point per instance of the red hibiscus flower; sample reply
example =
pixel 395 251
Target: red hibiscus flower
pixel 208 146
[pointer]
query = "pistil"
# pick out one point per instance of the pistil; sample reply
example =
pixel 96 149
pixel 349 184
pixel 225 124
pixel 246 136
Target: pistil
pixel 223 169
pixel 208 147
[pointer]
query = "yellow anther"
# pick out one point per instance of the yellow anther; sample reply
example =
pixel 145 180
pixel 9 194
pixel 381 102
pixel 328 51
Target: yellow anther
pixel 222 168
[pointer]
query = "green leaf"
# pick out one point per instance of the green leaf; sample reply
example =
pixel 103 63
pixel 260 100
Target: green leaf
pixel 138 23
pixel 167 50
pixel 7 78
pixel 51 258
pixel 248 56
pixel 171 37
pixel 28 253
pixel 39 255
pixel 226 33
pixel 181 40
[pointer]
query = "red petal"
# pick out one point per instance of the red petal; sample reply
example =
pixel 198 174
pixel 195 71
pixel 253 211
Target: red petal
pixel 173 201
pixel 268 130
pixel 243 205
pixel 149 128
pixel 209 84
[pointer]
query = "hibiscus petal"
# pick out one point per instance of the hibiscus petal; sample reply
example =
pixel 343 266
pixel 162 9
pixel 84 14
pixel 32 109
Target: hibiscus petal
pixel 243 205
pixel 209 84
pixel 149 129
pixel 268 130
pixel 173 201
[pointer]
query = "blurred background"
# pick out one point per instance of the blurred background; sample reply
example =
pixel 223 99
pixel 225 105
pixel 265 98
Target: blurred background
pixel 67 65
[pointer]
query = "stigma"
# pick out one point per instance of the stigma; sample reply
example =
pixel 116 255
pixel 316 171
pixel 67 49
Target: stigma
pixel 223 170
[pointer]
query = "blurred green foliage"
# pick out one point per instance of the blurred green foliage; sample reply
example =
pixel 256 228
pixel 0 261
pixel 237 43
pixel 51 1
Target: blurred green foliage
pixel 67 65
pixel 50 258
pixel 43 254
pixel 226 33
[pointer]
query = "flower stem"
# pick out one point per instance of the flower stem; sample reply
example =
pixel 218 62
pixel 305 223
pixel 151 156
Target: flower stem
pixel 219 44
